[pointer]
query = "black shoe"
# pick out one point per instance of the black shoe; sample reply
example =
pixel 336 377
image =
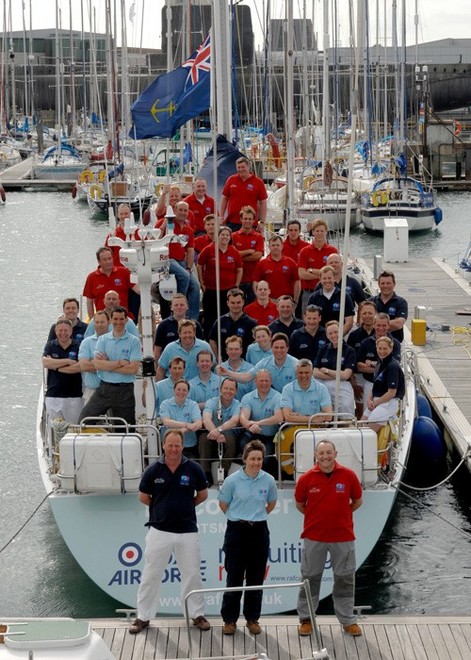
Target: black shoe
pixel 209 478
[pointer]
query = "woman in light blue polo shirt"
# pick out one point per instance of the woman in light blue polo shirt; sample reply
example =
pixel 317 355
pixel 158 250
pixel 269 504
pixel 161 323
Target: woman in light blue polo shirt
pixel 246 497
pixel 183 414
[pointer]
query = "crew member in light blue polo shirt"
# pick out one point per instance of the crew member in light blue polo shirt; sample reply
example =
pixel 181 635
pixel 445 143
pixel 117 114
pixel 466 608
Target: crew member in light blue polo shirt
pixel 246 497
pixel 187 347
pixel 117 359
pixel 183 414
pixel 281 366
pixel 90 379
pixel 306 399
pixel 205 385
pixel 261 416
pixel 220 419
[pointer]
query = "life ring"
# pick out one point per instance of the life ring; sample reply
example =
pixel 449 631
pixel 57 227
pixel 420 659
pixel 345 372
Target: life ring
pixel 101 176
pixel 308 181
pixel 457 128
pixel 285 448
pixel 380 197
pixel 384 197
pixel 86 176
pixel 96 191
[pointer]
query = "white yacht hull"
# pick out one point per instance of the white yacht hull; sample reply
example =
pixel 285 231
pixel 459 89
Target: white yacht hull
pixel 106 535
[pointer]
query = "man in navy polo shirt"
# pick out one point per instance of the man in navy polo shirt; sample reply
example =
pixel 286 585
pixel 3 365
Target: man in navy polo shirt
pixel 389 302
pixel 63 396
pixel 172 488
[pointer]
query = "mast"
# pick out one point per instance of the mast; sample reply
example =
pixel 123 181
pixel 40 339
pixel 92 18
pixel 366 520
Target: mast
pixel 289 101
pixel 221 66
pixel 325 86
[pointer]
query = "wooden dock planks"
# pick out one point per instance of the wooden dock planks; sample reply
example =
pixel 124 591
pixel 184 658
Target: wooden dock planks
pixel 385 637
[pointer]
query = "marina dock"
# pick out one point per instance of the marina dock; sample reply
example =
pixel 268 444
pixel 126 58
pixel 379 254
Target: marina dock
pixel 445 360
pixel 384 638
pixel 18 177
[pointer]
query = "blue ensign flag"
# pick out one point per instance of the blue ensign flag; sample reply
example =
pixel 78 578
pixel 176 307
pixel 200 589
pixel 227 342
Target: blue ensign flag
pixel 174 98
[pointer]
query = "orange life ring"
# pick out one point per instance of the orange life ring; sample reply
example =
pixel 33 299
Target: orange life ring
pixel 457 127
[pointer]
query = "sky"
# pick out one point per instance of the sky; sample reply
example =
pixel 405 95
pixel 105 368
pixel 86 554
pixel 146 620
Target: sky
pixel 145 30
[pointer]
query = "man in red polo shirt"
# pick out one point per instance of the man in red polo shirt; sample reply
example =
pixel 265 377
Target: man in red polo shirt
pixel 293 244
pixel 312 258
pixel 182 257
pixel 105 278
pixel 201 204
pixel 327 495
pixel 280 272
pixel 262 309
pixel 243 189
pixel 209 236
pixel 249 244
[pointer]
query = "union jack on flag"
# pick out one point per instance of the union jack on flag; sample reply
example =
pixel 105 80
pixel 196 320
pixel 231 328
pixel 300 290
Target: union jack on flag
pixel 200 62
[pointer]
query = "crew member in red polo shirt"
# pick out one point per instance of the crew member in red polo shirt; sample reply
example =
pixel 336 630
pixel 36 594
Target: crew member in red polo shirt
pixel 327 495
pixel 243 189
pixel 182 257
pixel 262 309
pixel 208 237
pixel 249 243
pixel 201 204
pixel 124 211
pixel 170 196
pixel 230 273
pixel 312 258
pixel 280 272
pixel 105 278
pixel 293 244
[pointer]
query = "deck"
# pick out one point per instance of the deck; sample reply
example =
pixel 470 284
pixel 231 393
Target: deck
pixel 445 360
pixel 384 638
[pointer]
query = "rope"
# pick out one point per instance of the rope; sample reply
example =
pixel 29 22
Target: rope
pixel 440 483
pixel 25 523
pixel 430 509
pixel 429 506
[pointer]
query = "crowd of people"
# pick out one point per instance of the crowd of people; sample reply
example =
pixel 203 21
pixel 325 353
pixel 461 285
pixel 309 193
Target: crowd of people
pixel 247 343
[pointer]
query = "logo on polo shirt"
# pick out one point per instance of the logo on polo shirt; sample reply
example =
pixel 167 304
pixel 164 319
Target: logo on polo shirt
pixel 340 488
pixel 117 280
pixel 184 480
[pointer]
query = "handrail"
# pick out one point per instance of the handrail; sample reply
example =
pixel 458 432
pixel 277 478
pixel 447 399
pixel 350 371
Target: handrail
pixel 319 654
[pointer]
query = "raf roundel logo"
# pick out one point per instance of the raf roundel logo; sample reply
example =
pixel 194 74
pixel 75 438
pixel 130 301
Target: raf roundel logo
pixel 130 554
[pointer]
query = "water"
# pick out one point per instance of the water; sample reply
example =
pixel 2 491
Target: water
pixel 47 247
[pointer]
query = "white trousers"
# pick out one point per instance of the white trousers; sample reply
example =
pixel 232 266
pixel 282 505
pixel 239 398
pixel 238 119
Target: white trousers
pixel 383 413
pixel 346 402
pixel 159 547
pixel 67 408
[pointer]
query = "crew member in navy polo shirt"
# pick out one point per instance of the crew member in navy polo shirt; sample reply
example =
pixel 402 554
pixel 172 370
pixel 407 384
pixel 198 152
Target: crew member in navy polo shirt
pixel 388 386
pixel 172 488
pixel 235 322
pixel 325 369
pixel 306 342
pixel 63 397
pixel 389 302
pixel 167 329
pixel 328 299
pixel 286 322
pixel 70 310
pixel 117 358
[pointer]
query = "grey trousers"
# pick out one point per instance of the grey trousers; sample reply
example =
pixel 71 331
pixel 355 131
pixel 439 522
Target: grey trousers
pixel 342 556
